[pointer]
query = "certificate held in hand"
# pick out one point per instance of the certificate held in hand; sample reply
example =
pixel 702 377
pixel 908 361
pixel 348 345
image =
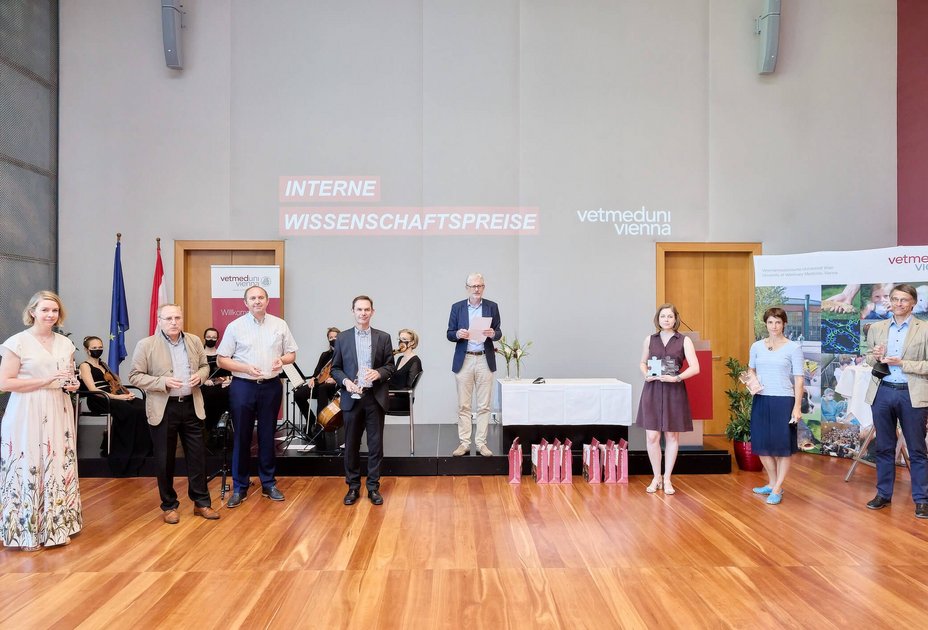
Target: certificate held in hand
pixel 751 381
pixel 477 326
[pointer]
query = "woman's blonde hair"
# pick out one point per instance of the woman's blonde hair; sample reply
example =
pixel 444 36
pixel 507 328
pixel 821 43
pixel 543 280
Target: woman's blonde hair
pixel 29 317
pixel 413 338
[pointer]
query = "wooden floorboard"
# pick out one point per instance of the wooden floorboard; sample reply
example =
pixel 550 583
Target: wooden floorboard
pixel 475 552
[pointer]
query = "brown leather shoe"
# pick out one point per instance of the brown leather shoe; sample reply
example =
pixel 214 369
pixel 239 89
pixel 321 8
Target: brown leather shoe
pixel 171 517
pixel 206 512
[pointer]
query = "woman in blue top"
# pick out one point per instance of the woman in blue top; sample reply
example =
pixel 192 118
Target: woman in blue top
pixel 777 363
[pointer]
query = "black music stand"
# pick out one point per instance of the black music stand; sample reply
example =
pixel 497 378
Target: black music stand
pixel 295 378
pixel 224 428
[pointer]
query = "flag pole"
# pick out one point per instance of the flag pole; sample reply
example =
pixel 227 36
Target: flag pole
pixel 119 316
pixel 158 293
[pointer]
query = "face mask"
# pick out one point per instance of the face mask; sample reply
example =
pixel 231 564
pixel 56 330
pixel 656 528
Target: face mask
pixel 210 343
pixel 96 354
pixel 331 343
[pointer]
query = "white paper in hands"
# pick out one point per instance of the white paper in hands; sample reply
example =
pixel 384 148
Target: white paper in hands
pixel 477 326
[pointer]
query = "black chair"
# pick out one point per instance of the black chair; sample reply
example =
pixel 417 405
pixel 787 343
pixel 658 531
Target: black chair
pixel 83 410
pixel 401 402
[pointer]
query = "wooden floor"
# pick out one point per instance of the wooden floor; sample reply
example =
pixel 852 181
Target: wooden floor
pixel 475 552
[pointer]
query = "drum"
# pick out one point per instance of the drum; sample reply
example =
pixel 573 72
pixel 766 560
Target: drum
pixel 330 418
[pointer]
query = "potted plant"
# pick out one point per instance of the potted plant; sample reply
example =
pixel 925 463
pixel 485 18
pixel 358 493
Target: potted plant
pixel 514 351
pixel 739 418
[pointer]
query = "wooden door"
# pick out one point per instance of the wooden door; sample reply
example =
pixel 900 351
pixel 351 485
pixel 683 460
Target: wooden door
pixel 712 285
pixel 192 262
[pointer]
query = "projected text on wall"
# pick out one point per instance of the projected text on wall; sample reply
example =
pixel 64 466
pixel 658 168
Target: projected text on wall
pixel 356 218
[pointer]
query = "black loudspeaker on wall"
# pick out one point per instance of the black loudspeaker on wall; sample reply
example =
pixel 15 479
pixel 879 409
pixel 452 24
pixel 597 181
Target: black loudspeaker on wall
pixel 767 25
pixel 172 18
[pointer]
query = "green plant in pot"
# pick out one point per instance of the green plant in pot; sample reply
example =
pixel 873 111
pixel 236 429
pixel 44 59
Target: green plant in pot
pixel 738 429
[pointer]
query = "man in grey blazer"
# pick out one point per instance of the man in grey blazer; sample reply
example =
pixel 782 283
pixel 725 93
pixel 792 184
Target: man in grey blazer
pixel 900 342
pixel 169 366
pixel 362 365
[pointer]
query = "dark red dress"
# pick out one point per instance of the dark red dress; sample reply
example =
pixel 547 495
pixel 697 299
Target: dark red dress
pixel 665 406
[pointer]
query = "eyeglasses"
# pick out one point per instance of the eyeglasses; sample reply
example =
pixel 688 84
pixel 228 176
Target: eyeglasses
pixel 171 319
pixel 901 300
pixel 405 340
pixel 475 286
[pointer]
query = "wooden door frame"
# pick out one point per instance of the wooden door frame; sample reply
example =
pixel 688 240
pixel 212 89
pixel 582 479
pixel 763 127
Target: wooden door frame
pixel 664 248
pixel 182 247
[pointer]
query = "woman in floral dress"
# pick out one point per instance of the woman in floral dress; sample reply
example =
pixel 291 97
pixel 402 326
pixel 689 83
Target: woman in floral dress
pixel 39 493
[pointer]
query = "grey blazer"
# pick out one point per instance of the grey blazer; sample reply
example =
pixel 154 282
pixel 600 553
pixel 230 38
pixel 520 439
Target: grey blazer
pixel 152 366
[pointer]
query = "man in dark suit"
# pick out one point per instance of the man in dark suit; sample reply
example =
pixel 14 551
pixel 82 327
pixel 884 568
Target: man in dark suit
pixel 474 363
pixel 362 365
pixel 901 343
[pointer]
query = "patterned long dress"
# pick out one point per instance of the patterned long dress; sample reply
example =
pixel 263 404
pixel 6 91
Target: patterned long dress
pixel 39 494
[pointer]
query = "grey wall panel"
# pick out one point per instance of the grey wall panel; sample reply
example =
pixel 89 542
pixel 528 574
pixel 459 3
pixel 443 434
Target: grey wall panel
pixel 27 213
pixel 29 30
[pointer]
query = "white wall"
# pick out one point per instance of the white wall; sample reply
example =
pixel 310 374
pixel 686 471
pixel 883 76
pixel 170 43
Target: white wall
pixel 564 106
pixel 805 159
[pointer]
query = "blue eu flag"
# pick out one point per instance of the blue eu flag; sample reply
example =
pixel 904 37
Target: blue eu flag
pixel 119 315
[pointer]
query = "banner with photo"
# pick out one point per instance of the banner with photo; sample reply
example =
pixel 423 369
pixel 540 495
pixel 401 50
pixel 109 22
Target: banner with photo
pixel 228 286
pixel 831 299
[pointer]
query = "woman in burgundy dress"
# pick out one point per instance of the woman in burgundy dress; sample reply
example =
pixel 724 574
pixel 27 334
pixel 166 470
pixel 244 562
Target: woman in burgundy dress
pixel 664 407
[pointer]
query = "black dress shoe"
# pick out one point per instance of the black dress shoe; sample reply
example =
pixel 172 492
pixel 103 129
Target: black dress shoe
pixel 352 497
pixel 878 503
pixel 375 497
pixel 921 510
pixel 236 499
pixel 272 493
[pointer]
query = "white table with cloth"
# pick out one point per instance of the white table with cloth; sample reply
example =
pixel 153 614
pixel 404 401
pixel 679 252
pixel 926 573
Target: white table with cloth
pixel 566 401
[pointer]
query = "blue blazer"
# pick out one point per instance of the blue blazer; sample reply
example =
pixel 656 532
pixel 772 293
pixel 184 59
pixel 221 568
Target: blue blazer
pixel 460 319
pixel 345 364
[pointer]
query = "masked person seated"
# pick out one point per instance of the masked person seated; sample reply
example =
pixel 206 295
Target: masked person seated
pixel 408 366
pixel 130 442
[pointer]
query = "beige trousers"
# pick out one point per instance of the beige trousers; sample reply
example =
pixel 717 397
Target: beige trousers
pixel 475 381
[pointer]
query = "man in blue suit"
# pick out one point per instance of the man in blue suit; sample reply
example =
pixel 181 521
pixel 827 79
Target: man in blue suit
pixel 362 365
pixel 474 363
